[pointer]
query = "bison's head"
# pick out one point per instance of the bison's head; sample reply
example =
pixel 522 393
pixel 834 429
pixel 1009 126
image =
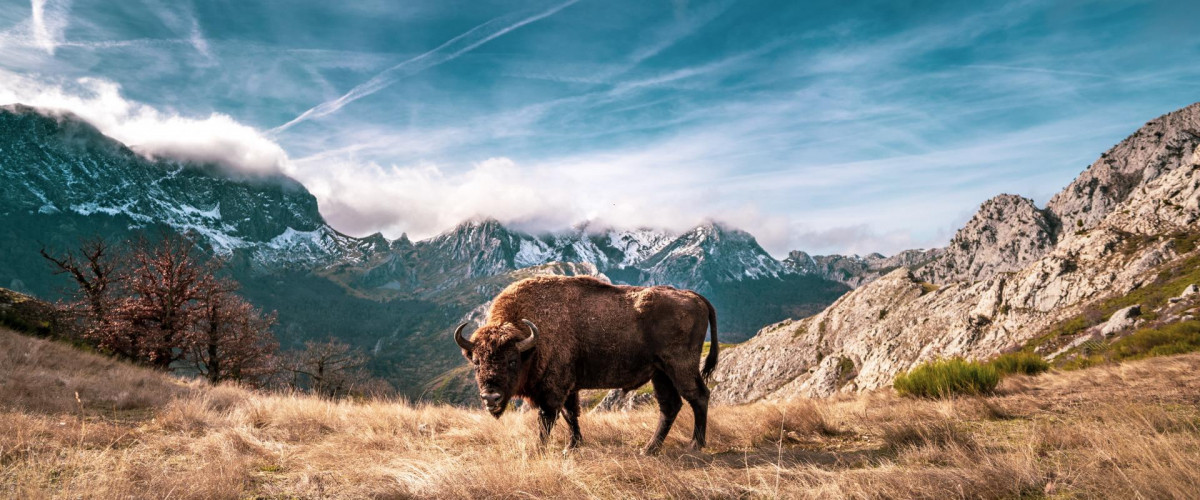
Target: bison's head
pixel 498 353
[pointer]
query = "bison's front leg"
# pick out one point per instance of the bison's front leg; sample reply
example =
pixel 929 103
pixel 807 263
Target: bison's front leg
pixel 546 417
pixel 571 415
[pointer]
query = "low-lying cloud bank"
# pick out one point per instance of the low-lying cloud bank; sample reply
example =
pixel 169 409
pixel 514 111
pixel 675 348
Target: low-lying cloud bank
pixel 217 139
pixel 361 197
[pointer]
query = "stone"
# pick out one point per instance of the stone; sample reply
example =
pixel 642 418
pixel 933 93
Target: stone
pixel 619 400
pixel 1121 321
pixel 611 402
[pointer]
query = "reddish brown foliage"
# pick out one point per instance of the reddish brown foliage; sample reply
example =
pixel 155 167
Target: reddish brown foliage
pixel 330 369
pixel 166 286
pixel 161 305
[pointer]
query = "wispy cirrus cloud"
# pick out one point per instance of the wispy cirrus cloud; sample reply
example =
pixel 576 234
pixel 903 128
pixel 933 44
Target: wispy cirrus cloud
pixel 448 51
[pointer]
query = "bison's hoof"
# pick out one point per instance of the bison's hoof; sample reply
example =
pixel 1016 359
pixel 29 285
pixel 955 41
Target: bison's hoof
pixel 696 446
pixel 651 449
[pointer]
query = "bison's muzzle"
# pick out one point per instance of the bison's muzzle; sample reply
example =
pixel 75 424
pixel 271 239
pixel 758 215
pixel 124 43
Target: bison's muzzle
pixel 493 402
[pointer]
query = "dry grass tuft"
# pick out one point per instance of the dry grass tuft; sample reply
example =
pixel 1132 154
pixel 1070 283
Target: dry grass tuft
pixel 1060 434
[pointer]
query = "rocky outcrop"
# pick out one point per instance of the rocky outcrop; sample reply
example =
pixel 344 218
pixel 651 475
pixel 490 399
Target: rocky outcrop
pixel 1006 234
pixel 1161 146
pixel 1011 281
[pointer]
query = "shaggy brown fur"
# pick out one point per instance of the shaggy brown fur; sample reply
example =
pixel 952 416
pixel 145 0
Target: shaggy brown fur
pixel 593 335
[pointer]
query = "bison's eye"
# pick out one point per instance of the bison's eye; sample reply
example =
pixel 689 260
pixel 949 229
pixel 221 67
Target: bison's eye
pixel 512 364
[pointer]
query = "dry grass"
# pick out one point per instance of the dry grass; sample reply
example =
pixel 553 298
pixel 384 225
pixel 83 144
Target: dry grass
pixel 1115 431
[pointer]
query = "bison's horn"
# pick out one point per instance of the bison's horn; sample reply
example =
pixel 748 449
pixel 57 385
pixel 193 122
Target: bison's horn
pixel 458 338
pixel 528 343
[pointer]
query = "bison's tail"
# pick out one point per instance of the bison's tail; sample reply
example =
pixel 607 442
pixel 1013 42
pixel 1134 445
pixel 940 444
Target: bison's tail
pixel 710 362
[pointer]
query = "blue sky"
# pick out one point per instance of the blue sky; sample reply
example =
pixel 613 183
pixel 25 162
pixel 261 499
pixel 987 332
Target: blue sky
pixel 877 126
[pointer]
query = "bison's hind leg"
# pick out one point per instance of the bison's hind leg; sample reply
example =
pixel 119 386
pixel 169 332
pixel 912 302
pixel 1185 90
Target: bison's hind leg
pixel 668 408
pixel 690 385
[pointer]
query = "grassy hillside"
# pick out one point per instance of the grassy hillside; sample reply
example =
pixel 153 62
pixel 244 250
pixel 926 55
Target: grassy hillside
pixel 82 426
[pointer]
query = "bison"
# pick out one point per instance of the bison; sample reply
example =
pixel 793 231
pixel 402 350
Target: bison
pixel 548 337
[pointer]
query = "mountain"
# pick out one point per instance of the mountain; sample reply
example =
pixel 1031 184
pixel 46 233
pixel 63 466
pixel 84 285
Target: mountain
pixel 63 180
pixel 1114 251
pixel 55 167
pixel 707 255
pixel 854 270
pixel 1163 145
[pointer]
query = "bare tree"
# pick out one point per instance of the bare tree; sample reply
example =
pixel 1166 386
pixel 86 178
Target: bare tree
pixel 167 285
pixel 161 304
pixel 234 340
pixel 96 270
pixel 330 369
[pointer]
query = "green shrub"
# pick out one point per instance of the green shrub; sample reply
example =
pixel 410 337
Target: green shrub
pixel 1175 338
pixel 947 377
pixel 1162 340
pixel 1024 362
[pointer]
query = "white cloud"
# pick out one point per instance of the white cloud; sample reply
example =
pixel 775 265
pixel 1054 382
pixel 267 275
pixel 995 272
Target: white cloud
pixel 217 138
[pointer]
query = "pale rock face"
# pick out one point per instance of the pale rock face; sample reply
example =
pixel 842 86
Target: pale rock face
pixel 1168 203
pixel 619 400
pixel 1006 234
pixel 1011 280
pixel 1159 147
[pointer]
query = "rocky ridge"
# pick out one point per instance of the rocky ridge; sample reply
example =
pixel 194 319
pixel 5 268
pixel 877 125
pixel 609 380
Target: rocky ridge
pixel 1007 233
pixel 854 270
pixel 1000 286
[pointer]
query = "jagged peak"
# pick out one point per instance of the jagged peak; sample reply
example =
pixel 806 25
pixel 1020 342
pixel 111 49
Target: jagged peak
pixel 799 255
pixel 475 225
pixel 60 115
pixel 711 229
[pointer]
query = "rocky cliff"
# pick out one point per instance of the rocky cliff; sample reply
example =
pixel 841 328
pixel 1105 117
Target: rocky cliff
pixel 1159 147
pixel 1012 278
pixel 1006 234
